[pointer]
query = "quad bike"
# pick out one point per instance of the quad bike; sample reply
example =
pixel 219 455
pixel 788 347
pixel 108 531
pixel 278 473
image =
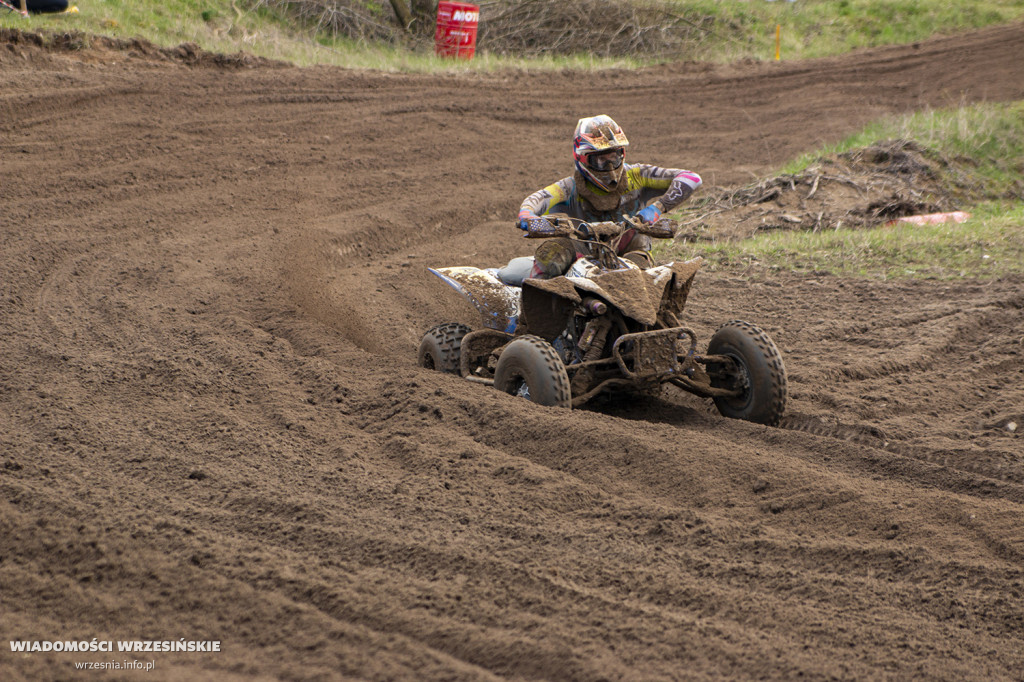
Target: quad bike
pixel 606 325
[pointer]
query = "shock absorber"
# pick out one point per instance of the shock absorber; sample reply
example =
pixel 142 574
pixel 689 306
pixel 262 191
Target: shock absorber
pixel 594 335
pixel 592 345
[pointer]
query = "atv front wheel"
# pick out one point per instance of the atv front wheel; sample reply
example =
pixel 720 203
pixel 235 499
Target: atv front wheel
pixel 756 371
pixel 530 368
pixel 441 347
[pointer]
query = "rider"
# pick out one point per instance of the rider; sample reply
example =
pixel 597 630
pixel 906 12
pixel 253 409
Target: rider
pixel 603 188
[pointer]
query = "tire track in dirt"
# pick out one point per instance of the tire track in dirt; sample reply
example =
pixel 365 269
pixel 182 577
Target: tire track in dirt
pixel 945 340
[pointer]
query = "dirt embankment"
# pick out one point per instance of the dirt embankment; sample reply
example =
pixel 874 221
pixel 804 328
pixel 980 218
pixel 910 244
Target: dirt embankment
pixel 213 281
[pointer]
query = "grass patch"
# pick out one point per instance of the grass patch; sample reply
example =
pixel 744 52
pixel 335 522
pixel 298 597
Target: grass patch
pixel 818 28
pixel 989 244
pixel 212 24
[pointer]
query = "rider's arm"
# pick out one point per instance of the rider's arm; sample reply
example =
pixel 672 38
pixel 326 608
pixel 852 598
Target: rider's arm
pixel 552 199
pixel 668 187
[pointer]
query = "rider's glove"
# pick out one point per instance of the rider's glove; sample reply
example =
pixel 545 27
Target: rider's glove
pixel 526 217
pixel 649 215
pixel 542 227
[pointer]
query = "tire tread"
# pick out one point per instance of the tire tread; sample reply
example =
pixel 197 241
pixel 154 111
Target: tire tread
pixel 447 338
pixel 775 403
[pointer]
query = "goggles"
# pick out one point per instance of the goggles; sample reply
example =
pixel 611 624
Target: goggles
pixel 605 161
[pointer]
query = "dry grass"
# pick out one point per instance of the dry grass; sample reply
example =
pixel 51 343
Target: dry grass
pixel 524 28
pixel 606 29
pixel 364 22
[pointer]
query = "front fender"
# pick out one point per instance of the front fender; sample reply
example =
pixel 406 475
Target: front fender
pixel 498 303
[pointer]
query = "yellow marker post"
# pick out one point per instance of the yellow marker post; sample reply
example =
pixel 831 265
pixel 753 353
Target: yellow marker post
pixel 778 42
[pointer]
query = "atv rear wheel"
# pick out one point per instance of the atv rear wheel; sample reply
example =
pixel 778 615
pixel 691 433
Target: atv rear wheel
pixel 441 347
pixel 756 371
pixel 530 368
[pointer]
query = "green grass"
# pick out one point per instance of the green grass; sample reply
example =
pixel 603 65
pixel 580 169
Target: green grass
pixel 985 144
pixel 819 28
pixel 815 28
pixel 989 244
pixel 741 29
pixel 213 24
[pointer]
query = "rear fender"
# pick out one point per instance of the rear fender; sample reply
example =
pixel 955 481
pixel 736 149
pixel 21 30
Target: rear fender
pixel 498 303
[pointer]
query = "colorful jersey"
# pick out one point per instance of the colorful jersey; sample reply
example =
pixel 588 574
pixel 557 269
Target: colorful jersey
pixel 646 184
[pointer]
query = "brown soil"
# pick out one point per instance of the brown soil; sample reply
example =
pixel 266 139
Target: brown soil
pixel 212 427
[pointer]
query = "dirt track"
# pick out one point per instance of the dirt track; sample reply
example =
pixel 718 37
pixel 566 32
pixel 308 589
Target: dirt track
pixel 213 281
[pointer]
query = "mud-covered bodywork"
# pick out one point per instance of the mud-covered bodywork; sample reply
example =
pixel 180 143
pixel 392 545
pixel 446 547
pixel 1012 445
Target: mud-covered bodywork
pixel 640 295
pixel 498 302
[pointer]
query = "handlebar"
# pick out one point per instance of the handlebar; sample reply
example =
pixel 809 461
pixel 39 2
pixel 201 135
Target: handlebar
pixel 574 228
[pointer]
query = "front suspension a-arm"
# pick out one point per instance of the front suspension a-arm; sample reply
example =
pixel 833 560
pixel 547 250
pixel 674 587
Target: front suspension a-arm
pixel 704 388
pixel 654 353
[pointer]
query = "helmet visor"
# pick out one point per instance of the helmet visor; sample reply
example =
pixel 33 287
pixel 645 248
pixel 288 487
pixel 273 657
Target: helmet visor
pixel 606 160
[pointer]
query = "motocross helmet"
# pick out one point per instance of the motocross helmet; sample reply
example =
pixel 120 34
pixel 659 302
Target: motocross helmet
pixel 599 147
